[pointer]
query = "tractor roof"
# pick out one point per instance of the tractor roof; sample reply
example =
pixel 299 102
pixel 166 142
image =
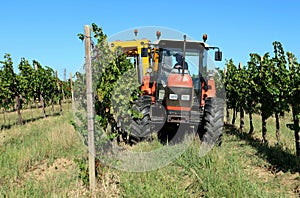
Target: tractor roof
pixel 173 43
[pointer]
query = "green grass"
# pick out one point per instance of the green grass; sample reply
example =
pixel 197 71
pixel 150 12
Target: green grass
pixel 286 137
pixel 38 160
pixel 233 170
pixel 29 114
pixel 242 167
pixel 27 152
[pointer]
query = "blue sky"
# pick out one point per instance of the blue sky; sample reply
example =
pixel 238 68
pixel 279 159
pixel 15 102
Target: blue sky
pixel 46 31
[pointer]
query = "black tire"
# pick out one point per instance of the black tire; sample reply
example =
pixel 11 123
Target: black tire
pixel 139 128
pixel 213 121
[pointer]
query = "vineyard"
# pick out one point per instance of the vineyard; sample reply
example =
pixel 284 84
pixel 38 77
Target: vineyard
pixel 33 86
pixel 262 96
pixel 269 86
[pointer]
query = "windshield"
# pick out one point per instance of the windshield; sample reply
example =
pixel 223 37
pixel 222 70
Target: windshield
pixel 194 59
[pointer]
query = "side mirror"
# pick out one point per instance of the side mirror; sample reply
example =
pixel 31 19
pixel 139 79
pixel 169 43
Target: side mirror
pixel 144 52
pixel 218 55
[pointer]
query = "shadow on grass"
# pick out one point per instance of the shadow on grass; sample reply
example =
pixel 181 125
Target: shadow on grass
pixel 280 159
pixel 174 134
pixel 25 121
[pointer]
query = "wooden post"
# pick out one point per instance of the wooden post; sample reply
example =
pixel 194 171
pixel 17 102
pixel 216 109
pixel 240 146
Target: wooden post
pixel 261 68
pixel 65 74
pixel 242 113
pixel 71 86
pixel 63 92
pixel 35 101
pixel 58 86
pixel 90 108
pixel 41 96
pixel 227 109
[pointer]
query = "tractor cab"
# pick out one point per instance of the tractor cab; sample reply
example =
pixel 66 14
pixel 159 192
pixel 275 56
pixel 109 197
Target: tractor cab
pixel 182 64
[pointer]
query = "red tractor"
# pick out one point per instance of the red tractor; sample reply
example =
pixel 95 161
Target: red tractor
pixel 177 89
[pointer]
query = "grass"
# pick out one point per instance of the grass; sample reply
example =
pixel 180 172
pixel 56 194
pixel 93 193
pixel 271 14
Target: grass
pixel 242 167
pixel 28 152
pixel 287 135
pixel 29 114
pixel 233 170
pixel 38 160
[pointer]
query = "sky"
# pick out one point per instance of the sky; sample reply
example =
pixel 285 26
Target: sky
pixel 46 31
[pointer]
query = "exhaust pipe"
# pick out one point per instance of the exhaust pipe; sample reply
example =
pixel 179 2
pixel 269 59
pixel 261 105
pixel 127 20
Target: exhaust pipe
pixel 183 61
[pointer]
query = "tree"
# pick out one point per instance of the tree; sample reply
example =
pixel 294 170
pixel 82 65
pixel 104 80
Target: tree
pixel 251 105
pixel 294 96
pixel 26 75
pixel 242 86
pixel 12 86
pixel 231 87
pixel 6 96
pixel 265 91
pixel 51 87
pixel 40 84
pixel 279 84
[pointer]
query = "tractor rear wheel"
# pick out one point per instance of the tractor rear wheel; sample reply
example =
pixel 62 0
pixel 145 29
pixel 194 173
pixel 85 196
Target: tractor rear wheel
pixel 213 121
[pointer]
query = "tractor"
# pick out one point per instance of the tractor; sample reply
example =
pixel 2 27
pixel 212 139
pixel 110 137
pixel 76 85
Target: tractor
pixel 176 88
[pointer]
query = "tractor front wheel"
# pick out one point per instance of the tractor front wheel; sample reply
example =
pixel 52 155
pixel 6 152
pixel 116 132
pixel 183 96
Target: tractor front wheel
pixel 139 127
pixel 213 121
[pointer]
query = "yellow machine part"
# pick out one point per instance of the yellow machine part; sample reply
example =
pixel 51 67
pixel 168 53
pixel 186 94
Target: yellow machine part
pixel 133 47
pixel 155 59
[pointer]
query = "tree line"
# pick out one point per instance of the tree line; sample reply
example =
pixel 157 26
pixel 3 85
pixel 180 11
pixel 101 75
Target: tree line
pixel 266 85
pixel 33 84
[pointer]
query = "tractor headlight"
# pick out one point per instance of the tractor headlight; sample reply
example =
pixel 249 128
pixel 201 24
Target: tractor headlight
pixel 185 97
pixel 173 97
